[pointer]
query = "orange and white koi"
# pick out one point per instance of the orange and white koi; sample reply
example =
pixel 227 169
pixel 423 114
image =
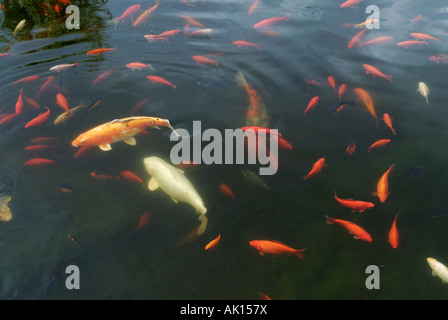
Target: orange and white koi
pixel 146 14
pixel 207 32
pixel 275 248
pixel 393 233
pixel 311 104
pixel 382 189
pixel 376 73
pixel 213 243
pixel 354 205
pixel 357 231
pixel 268 23
pixel 40 119
pixel 317 168
pixel 388 121
pixel 160 81
pixel 64 66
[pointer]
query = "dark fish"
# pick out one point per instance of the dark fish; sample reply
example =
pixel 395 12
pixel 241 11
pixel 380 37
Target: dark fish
pixel 341 105
pixel 438 213
pixel 415 171
pixel 75 241
pixel 93 104
pixel 350 149
pixel 65 188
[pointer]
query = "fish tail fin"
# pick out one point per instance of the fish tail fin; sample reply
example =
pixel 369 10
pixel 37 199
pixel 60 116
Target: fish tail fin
pixel 392 167
pixel 287 17
pixel 115 23
pixel 330 220
pixel 335 195
pixel 203 225
pixel 240 80
pixel 389 78
pixel 299 253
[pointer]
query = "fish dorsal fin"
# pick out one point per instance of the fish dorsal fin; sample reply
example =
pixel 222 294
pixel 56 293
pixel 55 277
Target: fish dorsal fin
pixel 153 184
pixel 105 147
pixel 130 141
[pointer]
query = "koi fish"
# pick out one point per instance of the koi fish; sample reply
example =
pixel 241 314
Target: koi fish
pixel 129 12
pixel 350 149
pixel 43 139
pixel 46 84
pixel 317 168
pixel 254 6
pixel 118 130
pixel 356 40
pixel 423 36
pixel 245 44
pixel 31 102
pixel 103 76
pixel 63 103
pixel 354 229
pixel 311 104
pixel 377 40
pixel 19 26
pixel 100 50
pixel 160 81
pixel 213 243
pixel 201 60
pixel 363 24
pixel 332 83
pixel 225 190
pixel 383 185
pixel 39 162
pixel 139 105
pixel 268 23
pixel 424 90
pixel 82 151
pixel 379 143
pixel 255 179
pixel 354 205
pixel 439 58
pixel 40 119
pixel 64 66
pixel 146 14
pixel 350 3
pixel 138 66
pixel 75 240
pixel 375 72
pixel 63 117
pixel 131 176
pixel 339 107
pixel 393 233
pixel 341 91
pixel 315 82
pixel 364 96
pixel 275 248
pixel 411 43
pixel 264 296
pixel 103 176
pixel 26 79
pixel 144 220
pixel 283 144
pixel 438 269
pixel 192 22
pixel 207 32
pixel 418 18
pixel 416 171
pixel 388 120
pixel 19 103
pixel 39 147
pixel 95 102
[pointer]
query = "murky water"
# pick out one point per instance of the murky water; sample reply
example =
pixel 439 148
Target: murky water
pixel 159 260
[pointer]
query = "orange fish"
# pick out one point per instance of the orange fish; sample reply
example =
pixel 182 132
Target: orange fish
pixel 160 81
pixel 332 83
pixel 350 3
pixel 62 102
pixel 39 119
pixel 213 243
pixel 103 176
pixel 283 144
pixel 192 22
pixel 24 80
pixel 256 113
pixel 423 36
pixel 226 191
pixel 264 296
pixel 100 50
pixel 364 96
pixel 43 139
pixel 354 229
pixel 31 102
pixel 39 147
pixel 411 43
pixel 138 66
pixel 356 40
pixel 379 143
pixel 313 102
pixel 418 18
pixel 354 205
pixel 146 14
pixel 39 162
pixel 139 105
pixel 131 176
pixel 350 149
pixel 82 151
pixel 275 248
pixel 341 91
pixel 204 61
pixel 50 80
pixel 202 33
pixel 8 118
pixel 377 40
pixel 129 12
pixel 388 120
pixel 393 233
pixel 19 103
pixel 268 23
pixel 382 189
pixel 254 6
pixel 144 220
pixel 375 72
pixel 245 44
pixel 118 130
pixel 443 57
pixel 317 167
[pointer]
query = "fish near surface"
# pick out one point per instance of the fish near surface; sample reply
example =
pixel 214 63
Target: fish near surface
pixel 438 269
pixel 5 211
pixel 176 185
pixel 424 90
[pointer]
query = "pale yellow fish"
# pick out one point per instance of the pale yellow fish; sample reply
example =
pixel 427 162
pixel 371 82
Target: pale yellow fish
pixel 62 118
pixel 365 22
pixel 19 26
pixel 438 269
pixel 424 90
pixel 5 212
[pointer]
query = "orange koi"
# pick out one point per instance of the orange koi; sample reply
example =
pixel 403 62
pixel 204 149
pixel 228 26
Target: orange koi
pixel 423 36
pixel 129 12
pixel 379 143
pixel 39 147
pixel 268 23
pixel 131 176
pixel 43 139
pixel 375 72
pixel 8 118
pixel 146 14
pixel 410 43
pixel 393 233
pixel 192 22
pixel 418 18
pixel 24 80
pixel 40 119
pixel 31 102
pixel 354 205
pixel 367 100
pixel 100 50
pixel 382 189
pixel 388 120
pixel 264 296
pixel 356 40
pixel 332 83
pixel 275 248
pixel 341 91
pixel 160 81
pixel 317 168
pixel 138 66
pixel 39 162
pixel 283 144
pixel 19 103
pixel 254 6
pixel 350 3
pixel 439 58
pixel 103 176
pixel 350 149
pixel 144 220
pixel 103 76
pixel 46 84
pixel 139 105
pixel 201 60
pixel 313 102
pixel 226 191
pixel 377 40
pixel 202 33
pixel 213 243
pixel 354 229
pixel 82 151
pixel 63 103
pixel 245 44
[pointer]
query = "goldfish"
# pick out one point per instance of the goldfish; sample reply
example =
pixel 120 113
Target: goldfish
pixel 363 24
pixel 63 103
pixel 75 240
pixel 38 162
pixel 311 104
pixel 65 188
pixel 19 103
pixel 138 66
pixel 264 296
pixel 424 90
pixel 253 6
pixel 356 40
pixel 144 220
pixel 438 269
pixel 131 176
pixel 410 43
pixel 357 231
pixel 245 44
pixel 350 149
pixel 393 233
pixel 383 185
pixel 103 76
pixel 418 18
pixel 269 33
pixel 95 102
pixel 82 151
pixel 100 50
pixel 341 91
pixel 146 14
pixel 139 105
pixel 379 143
pixel 64 66
pixel 19 26
pixel 354 205
pixel 317 168
pixel 40 119
pixel 31 102
pixel 207 32
pixel 332 83
pixel 43 139
pixel 204 61
pixel 213 243
pixel 160 81
pixel 255 179
pixel 364 96
pixel 388 120
pixel 39 147
pixel 423 36
pixel 275 248
pixel 26 79
pixel 283 144
pixel 439 58
pixel 350 3
pixel 103 176
pixel 118 130
pixel 225 190
pixel 268 23
pixel 192 22
pixel 8 118
pixel 377 40
pixel 375 72
pixel 129 12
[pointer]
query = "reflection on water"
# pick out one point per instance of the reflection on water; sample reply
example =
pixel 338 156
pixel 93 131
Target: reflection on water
pixel 84 193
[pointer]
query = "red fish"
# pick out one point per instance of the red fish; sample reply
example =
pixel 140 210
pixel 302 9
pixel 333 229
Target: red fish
pixel 103 176
pixel 103 76
pixel 354 205
pixel 283 144
pixel 332 83
pixel 40 119
pixel 39 162
pixel 356 40
pixel 131 176
pixel 8 118
pixel 100 50
pixel 144 220
pixel 160 81
pixel 393 233
pixel 213 243
pixel 317 168
pixel 254 6
pixel 19 103
pixel 411 43
pixel 379 143
pixel 31 102
pixel 204 61
pixel 24 80
pixel 377 40
pixel 139 105
pixel 375 72
pixel 245 44
pixel 82 151
pixel 43 139
pixel 62 102
pixel 138 66
pixel 226 191
pixel 351 148
pixel 268 23
pixel 388 120
pixel 39 147
pixel 418 18
pixel 423 36
pixel 350 3
pixel 313 102
pixel 129 12
pixel 439 58
pixel 354 229
pixel 50 80
pixel 275 248
pixel 342 90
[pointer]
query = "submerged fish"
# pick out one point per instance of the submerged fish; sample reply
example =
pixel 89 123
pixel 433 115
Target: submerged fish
pixel 275 248
pixel 414 171
pixel 75 240
pixel 438 269
pixel 254 178
pixel 5 211
pixel 424 90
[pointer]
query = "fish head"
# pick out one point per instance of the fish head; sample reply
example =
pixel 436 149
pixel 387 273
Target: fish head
pixel 151 164
pixel 255 244
pixel 79 141
pixel 371 205
pixel 432 262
